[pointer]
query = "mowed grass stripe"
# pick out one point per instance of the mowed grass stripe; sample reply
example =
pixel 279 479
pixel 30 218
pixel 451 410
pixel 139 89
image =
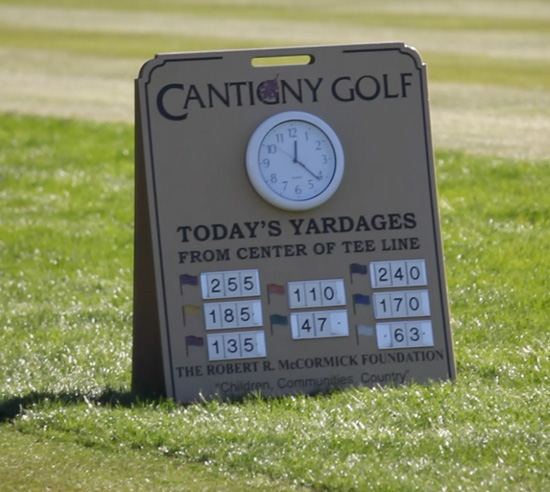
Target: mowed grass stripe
pixel 450 67
pixel 273 31
pixel 485 15
pixel 71 96
pixel 112 44
pixel 446 67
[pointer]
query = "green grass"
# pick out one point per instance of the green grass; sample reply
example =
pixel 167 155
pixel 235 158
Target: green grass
pixel 67 252
pixel 66 193
pixel 35 464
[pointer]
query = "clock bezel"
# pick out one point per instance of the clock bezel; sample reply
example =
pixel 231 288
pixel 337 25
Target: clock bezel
pixel 256 178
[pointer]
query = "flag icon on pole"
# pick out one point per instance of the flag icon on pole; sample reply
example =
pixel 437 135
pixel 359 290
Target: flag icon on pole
pixel 357 268
pixel 360 299
pixel 363 330
pixel 274 289
pixel 193 341
pixel 186 279
pixel 367 331
pixel 189 309
pixel 277 319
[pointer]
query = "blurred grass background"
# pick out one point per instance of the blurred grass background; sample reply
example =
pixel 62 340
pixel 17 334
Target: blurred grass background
pixel 488 60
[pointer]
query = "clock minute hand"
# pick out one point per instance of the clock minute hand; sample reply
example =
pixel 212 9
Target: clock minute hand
pixel 307 169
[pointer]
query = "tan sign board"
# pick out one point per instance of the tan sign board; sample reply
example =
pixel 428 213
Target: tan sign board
pixel 287 231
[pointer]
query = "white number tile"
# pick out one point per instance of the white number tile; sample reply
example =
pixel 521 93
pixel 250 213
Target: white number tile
pixel 382 305
pixel 319 324
pixel 313 294
pixel 260 344
pixel 215 347
pixel 302 325
pixel 238 283
pixel 401 273
pixel 230 316
pixel 416 272
pixel 398 305
pixel 420 334
pixel 255 310
pixel 232 287
pixel 249 282
pixel 398 273
pixel 244 314
pixel 339 326
pixel 418 303
pixel 383 335
pixel 316 293
pixel 401 304
pixel 296 295
pixel 212 317
pixel 399 335
pixel 241 345
pixel 212 285
pixel 334 293
pixel 380 274
pixel 404 335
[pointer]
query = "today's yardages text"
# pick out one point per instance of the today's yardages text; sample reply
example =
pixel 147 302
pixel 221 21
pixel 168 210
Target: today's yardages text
pixel 296 249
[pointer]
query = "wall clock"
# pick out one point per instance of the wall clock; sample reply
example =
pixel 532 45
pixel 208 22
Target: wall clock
pixel 295 160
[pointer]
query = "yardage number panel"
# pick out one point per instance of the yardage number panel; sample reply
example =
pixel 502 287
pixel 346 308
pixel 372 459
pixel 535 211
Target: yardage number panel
pixel 391 305
pixel 231 314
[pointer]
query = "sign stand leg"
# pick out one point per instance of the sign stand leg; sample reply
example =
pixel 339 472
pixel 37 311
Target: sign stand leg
pixel 147 366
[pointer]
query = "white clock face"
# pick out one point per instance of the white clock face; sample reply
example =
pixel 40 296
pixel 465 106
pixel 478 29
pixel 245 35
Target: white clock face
pixel 295 160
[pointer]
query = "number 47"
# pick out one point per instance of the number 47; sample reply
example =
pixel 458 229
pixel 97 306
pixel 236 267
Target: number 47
pixel 317 323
